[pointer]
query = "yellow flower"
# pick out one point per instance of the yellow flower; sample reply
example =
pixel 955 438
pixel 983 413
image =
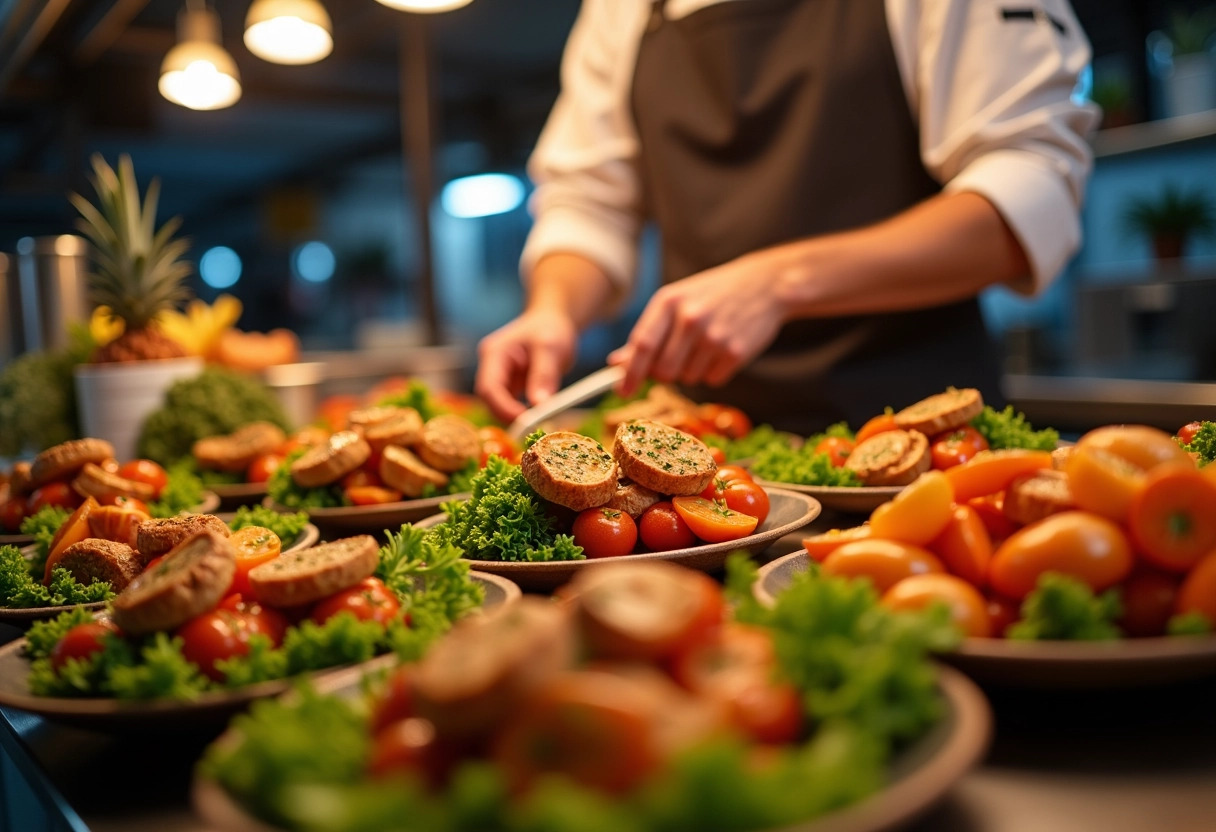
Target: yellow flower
pixel 199 328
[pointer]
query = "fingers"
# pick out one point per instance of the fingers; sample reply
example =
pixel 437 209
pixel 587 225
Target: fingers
pixel 699 364
pixel 648 336
pixel 727 361
pixel 499 372
pixel 685 342
pixel 548 362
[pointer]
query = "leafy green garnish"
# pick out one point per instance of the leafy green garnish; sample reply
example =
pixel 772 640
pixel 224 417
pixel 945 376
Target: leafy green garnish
pixel 21 585
pixel 284 491
pixel 1204 443
pixel 428 575
pixel 1061 607
pixel 183 491
pixel 802 466
pixel 418 396
pixel 504 519
pixel 38 396
pixel 42 526
pixel 286 526
pixel 1009 429
pixel 1189 624
pixel 761 437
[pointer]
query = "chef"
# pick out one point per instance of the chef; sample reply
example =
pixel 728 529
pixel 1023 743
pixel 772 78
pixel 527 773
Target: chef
pixel 833 182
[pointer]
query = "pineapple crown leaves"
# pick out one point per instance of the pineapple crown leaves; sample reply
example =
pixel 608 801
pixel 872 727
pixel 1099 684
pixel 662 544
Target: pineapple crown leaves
pixel 137 270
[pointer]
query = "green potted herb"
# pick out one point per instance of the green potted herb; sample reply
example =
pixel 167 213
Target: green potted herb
pixel 1170 218
pixel 1190 85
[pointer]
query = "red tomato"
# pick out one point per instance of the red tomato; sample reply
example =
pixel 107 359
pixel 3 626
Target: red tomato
pixel 373 495
pixel 396 701
pixel 362 477
pixel 410 746
pixel 54 494
pixel 769 711
pixel 968 609
pixel 736 655
pixel 964 546
pixel 1198 590
pixel 1075 543
pixel 1173 517
pixel 12 512
pixel 155 562
pixel 81 642
pixel 662 529
pixel 146 471
pixel 368 600
pixel 133 503
pixel 496 442
pixel 712 522
pixel 335 410
pixel 1148 602
pixel 956 447
pixel 224 634
pixel 262 467
pixel 605 532
pixel 739 493
pixel 1001 614
pixel 837 448
pixel 732 473
pixel 1186 433
pixel 724 420
pixel 877 425
pixel 717 455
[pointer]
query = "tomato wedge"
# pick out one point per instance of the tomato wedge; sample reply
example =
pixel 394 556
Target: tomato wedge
pixel 819 546
pixel 990 471
pixel 712 522
pixel 73 530
pixel 918 514
pixel 254 545
pixel 879 424
pixel 965 545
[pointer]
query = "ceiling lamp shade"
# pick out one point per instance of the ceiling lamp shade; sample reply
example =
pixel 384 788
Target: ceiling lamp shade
pixel 198 73
pixel 289 31
pixel 424 5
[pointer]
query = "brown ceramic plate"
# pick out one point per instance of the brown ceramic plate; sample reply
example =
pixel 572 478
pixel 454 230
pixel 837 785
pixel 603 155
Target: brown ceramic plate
pixel 859 500
pixel 919 776
pixel 234 495
pixel 788 512
pixel 16 539
pixel 208 709
pixel 374 520
pixel 1125 663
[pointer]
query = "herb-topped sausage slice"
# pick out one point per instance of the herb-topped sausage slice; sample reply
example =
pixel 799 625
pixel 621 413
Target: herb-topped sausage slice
pixel 159 536
pixel 234 451
pixel 189 581
pixel 308 575
pixel 941 412
pixel 63 460
pixel 449 443
pixel 94 559
pixel 571 470
pixel 329 462
pixel 893 457
pixel 662 458
pixel 401 469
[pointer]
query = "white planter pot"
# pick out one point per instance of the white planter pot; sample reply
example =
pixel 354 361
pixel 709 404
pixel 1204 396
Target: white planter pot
pixel 115 399
pixel 1191 86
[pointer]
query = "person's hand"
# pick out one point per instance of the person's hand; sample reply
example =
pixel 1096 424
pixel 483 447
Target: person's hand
pixel 527 355
pixel 704 328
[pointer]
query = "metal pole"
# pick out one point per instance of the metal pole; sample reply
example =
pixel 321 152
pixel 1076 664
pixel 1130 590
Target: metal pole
pixel 417 157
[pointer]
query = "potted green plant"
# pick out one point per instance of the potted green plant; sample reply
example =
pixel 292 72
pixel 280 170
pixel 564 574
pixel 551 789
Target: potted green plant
pixel 1190 86
pixel 1170 218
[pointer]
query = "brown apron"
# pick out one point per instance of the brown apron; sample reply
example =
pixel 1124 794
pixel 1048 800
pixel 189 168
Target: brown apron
pixel 767 121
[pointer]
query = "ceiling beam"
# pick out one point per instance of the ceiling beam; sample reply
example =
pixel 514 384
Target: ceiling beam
pixel 107 30
pixel 52 10
pixel 144 41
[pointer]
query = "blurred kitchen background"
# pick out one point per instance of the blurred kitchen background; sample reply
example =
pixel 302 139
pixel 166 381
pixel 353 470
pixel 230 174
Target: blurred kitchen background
pixel 298 200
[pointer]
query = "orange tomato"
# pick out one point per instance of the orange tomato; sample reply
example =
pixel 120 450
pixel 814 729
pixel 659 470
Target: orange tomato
pixel 837 448
pixel 1198 590
pixel 991 471
pixel 819 546
pixel 1083 546
pixel 711 522
pixel 968 609
pixel 1140 445
pixel 1148 602
pixel 879 424
pixel 965 546
pixel 372 495
pixel 253 545
pixel 1103 482
pixel 1173 517
pixel 991 511
pixel 918 514
pixel 73 530
pixel 1001 613
pixel 884 562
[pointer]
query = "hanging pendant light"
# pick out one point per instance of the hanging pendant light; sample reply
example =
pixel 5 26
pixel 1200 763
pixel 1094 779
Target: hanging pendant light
pixel 198 73
pixel 424 5
pixel 288 31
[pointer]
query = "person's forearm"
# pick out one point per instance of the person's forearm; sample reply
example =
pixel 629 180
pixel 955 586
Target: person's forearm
pixel 572 284
pixel 945 249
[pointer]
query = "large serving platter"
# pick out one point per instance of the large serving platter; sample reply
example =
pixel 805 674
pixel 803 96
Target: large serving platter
pixel 788 512
pixel 348 520
pixel 1123 663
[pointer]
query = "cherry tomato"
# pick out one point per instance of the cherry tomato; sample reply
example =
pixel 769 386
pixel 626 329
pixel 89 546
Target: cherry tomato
pixel 769 711
pixel 396 701
pixel 1103 482
pixel 262 467
pixel 1001 614
pixel 368 600
pixel 712 522
pixel 1148 602
pixel 223 634
pixel 410 746
pixel 956 447
pixel 662 529
pixel 495 441
pixel 361 478
pixel 253 545
pixel 334 411
pixel 717 455
pixel 740 495
pixel 819 546
pixel 305 437
pixel 636 612
pixel 965 546
pixel 145 471
pixel 1186 433
pixel 732 658
pixel 991 471
pixel 1142 446
pixel 373 495
pixel 12 512
pixel 884 562
pixel 991 511
pixel 879 424
pixel 968 609
pixel 918 514
pixel 132 503
pixel 837 448
pixel 54 494
pixel 1198 590
pixel 605 532
pixel 81 642
pixel 1081 545
pixel 1173 517
pixel 727 421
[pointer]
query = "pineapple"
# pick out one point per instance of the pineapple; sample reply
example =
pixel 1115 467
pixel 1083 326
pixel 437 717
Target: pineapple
pixel 137 271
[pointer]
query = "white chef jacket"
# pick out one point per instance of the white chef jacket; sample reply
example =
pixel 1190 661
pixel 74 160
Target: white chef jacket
pixel 992 95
